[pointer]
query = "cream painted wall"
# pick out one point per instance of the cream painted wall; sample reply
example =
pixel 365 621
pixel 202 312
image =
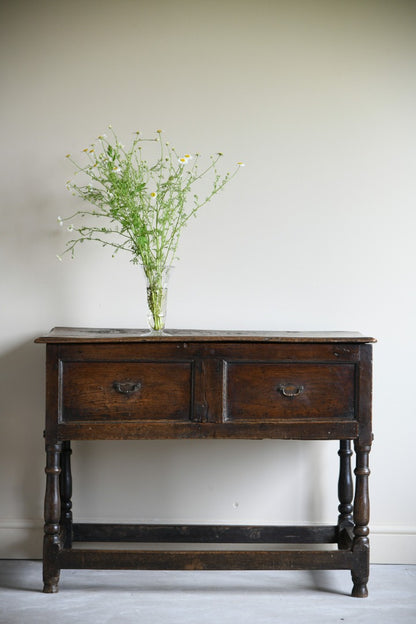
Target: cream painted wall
pixel 317 232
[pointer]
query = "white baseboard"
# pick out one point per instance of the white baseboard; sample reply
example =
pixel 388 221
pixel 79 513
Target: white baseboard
pixel 393 544
pixel 22 539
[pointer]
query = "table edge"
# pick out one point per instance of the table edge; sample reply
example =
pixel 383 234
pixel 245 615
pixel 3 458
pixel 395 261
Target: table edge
pixel 76 335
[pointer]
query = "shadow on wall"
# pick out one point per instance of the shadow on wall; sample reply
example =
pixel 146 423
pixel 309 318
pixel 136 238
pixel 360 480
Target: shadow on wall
pixel 21 441
pixel 201 481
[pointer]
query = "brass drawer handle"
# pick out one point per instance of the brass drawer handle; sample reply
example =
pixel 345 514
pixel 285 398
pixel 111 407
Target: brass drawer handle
pixel 127 387
pixel 290 390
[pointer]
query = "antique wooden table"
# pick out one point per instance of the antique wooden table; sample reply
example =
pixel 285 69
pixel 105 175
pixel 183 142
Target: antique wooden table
pixel 109 384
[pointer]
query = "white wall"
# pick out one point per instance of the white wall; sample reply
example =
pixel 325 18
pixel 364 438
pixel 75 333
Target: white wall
pixel 317 232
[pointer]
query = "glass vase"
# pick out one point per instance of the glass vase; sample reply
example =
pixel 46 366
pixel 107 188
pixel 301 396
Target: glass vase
pixel 157 296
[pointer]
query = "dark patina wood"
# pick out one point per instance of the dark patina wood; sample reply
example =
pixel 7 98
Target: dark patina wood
pixel 79 335
pixel 52 510
pixel 220 534
pixel 345 495
pixel 66 494
pixel 206 560
pixel 105 384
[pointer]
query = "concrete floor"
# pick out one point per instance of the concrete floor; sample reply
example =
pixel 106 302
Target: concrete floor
pixel 145 597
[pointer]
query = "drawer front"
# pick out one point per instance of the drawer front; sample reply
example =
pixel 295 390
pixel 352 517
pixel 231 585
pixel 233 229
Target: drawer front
pixel 141 391
pixel 274 391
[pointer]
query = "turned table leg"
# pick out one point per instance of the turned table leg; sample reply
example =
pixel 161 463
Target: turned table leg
pixel 66 494
pixel 345 495
pixel 51 540
pixel 361 546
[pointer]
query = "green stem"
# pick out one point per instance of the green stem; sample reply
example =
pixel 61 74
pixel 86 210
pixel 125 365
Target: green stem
pixel 156 296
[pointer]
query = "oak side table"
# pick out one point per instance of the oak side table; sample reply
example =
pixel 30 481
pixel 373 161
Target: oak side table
pixel 115 384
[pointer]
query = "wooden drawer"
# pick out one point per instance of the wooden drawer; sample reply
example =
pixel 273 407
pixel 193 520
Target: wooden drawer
pixel 280 391
pixel 108 391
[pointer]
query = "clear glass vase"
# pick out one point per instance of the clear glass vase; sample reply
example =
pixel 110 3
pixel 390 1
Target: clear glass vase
pixel 157 297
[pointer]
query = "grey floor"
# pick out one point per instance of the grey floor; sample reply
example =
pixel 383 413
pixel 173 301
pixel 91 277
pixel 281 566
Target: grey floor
pixel 145 597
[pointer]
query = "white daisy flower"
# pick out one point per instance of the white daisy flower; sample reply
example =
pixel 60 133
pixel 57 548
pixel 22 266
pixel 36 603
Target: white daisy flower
pixel 184 159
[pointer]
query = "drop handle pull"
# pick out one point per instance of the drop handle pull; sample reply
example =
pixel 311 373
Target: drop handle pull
pixel 127 387
pixel 290 389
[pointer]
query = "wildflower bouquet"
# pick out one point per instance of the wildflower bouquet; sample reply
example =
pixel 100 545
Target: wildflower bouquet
pixel 139 206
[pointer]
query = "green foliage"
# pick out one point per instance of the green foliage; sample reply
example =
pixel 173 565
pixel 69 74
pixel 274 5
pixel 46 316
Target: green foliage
pixel 139 206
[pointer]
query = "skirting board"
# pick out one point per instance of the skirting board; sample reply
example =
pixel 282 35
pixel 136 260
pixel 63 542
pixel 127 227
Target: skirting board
pixel 22 539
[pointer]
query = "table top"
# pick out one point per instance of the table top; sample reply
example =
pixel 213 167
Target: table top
pixel 106 335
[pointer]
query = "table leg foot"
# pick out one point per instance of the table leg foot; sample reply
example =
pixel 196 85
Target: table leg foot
pixel 50 588
pixel 359 589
